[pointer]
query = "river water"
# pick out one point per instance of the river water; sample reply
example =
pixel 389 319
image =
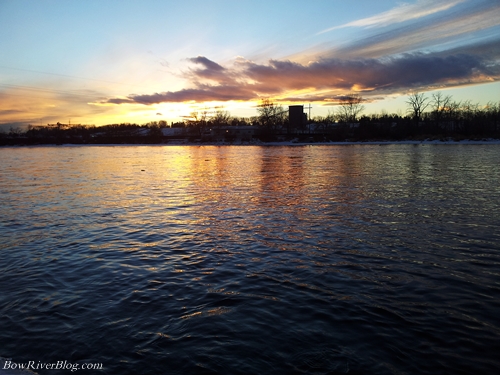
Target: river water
pixel 360 259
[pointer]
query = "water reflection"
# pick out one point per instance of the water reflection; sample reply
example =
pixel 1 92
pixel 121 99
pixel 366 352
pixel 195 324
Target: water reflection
pixel 244 259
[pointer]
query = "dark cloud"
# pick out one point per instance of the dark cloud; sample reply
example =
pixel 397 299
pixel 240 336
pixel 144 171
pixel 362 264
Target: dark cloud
pixel 208 64
pixel 119 101
pixel 210 70
pixel 404 72
pixel 330 77
pixel 10 112
pixel 200 94
pixel 488 50
pixel 328 100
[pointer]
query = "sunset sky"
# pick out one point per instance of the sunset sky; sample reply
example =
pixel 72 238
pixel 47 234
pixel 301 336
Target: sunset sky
pixel 101 61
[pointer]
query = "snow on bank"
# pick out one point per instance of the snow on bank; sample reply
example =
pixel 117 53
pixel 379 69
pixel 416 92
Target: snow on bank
pixel 465 142
pixel 489 141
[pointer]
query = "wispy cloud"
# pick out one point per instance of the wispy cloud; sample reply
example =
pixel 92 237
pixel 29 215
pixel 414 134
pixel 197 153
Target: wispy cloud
pixel 402 13
pixel 448 49
pixel 481 17
pixel 25 105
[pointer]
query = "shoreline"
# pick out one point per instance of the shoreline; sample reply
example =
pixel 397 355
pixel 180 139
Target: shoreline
pixel 488 141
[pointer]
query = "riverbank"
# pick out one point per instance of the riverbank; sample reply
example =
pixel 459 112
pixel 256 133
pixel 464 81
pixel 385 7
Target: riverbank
pixel 278 143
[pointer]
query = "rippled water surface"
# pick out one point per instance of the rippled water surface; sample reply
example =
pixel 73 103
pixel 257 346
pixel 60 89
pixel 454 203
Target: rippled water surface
pixel 252 260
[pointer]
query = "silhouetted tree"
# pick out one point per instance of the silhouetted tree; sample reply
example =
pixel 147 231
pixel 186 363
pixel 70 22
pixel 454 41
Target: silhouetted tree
pixel 199 120
pixel 155 130
pixel 440 104
pixel 15 132
pixel 350 108
pixel 417 103
pixel 271 115
pixel 220 118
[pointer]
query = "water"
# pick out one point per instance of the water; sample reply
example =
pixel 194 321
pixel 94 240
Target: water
pixel 252 260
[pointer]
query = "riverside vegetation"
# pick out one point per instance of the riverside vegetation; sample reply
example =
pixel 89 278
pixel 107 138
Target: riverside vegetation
pixel 438 117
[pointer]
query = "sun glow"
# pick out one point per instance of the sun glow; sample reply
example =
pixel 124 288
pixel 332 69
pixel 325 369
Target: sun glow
pixel 140 69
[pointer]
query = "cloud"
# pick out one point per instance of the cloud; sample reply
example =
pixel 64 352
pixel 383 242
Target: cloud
pixel 402 13
pixel 210 70
pixel 327 78
pixel 202 93
pixel 32 105
pixel 370 75
pixel 10 112
pixel 208 64
pixel 481 17
pixel 328 100
pixel 436 49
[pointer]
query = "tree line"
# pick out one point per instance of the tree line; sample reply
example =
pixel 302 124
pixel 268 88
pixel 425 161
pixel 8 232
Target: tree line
pixel 427 117
pixel 432 117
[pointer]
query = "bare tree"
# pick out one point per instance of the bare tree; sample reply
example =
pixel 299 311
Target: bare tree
pixel 453 110
pixel 469 110
pixel 221 118
pixel 199 119
pixel 154 129
pixel 271 115
pixel 417 103
pixel 440 105
pixel 350 108
pixel 15 132
pixel 323 123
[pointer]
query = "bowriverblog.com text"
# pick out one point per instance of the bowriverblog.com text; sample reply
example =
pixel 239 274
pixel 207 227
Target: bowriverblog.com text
pixel 59 365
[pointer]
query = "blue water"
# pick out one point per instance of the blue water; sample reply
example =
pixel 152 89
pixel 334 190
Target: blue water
pixel 252 260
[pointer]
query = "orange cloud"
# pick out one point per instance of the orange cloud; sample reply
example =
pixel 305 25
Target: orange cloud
pixel 330 77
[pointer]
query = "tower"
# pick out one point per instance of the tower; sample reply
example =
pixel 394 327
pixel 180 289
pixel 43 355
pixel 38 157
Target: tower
pixel 297 118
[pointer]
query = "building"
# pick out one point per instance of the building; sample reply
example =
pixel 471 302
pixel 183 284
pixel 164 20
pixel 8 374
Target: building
pixel 297 119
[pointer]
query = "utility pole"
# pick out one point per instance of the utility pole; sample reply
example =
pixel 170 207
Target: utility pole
pixel 309 118
pixel 309 108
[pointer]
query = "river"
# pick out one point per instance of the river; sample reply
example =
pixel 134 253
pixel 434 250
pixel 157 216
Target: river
pixel 359 259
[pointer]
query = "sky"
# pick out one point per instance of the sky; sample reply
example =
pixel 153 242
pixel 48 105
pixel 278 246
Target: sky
pixel 108 61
